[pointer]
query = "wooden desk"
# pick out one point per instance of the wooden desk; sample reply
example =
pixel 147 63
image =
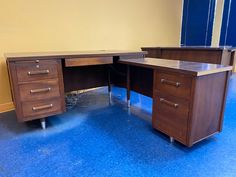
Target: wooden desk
pixel 188 97
pixel 39 80
pixel 215 55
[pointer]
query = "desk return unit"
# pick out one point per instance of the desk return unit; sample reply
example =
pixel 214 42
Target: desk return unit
pixel 188 97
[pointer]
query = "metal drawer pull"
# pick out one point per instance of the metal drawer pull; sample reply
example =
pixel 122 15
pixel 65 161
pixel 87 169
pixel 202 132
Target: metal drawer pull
pixel 38 72
pixel 164 81
pixel 40 90
pixel 38 108
pixel 175 105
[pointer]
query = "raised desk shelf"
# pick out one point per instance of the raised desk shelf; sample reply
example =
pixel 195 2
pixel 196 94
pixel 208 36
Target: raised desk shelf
pixel 201 54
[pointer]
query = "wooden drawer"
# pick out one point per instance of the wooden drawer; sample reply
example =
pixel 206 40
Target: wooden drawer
pixel 41 108
pixel 39 90
pixel 88 61
pixel 36 70
pixel 170 106
pixel 170 115
pixel 172 84
pixel 171 128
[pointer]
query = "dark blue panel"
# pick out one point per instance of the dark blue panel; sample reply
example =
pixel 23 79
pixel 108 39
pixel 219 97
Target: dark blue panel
pixel 184 22
pixel 228 30
pixel 210 23
pixel 231 34
pixel 197 22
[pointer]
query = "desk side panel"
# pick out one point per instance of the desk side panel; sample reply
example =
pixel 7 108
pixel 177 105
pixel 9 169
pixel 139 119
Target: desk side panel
pixel 14 87
pixel 141 79
pixel 208 105
pixel 226 58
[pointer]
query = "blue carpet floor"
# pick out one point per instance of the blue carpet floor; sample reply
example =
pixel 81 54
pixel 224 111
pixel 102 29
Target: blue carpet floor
pixel 96 139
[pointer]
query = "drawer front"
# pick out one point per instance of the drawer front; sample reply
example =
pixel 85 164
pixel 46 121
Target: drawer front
pixel 36 70
pixel 171 128
pixel 42 108
pixel 170 116
pixel 39 90
pixel 171 106
pixel 172 84
pixel 88 61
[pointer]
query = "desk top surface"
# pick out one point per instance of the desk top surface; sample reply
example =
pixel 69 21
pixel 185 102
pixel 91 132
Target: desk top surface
pixel 192 68
pixel 219 48
pixel 70 54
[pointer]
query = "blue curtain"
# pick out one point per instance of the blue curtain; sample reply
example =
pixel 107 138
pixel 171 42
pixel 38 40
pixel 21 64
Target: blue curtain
pixel 228 29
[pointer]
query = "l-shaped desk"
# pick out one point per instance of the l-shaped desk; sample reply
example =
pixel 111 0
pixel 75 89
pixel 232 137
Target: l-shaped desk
pixel 188 97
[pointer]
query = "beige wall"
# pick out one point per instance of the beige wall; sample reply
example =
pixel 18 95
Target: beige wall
pixel 217 23
pixel 64 25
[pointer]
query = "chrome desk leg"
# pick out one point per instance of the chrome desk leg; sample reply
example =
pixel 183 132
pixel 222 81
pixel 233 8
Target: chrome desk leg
pixel 110 99
pixel 109 84
pixel 129 111
pixel 128 86
pixel 43 123
pixel 128 103
pixel 172 140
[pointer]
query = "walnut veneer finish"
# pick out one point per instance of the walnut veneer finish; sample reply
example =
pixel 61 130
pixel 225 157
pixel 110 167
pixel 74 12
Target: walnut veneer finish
pixel 188 97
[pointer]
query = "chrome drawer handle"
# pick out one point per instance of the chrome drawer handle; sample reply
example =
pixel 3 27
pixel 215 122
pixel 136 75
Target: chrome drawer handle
pixel 41 90
pixel 38 72
pixel 164 81
pixel 175 105
pixel 38 108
